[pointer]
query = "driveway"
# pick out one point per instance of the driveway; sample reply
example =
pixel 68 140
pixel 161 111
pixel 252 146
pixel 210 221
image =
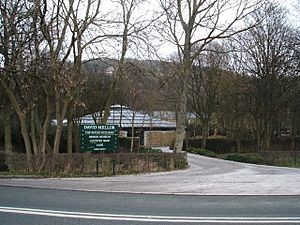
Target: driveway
pixel 205 176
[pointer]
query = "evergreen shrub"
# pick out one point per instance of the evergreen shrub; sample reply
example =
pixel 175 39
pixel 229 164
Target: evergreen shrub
pixel 217 145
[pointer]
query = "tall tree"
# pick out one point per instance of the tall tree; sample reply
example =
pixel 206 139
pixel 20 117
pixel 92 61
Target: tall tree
pixel 199 22
pixel 132 33
pixel 79 26
pixel 59 20
pixel 16 26
pixel 268 58
pixel 203 89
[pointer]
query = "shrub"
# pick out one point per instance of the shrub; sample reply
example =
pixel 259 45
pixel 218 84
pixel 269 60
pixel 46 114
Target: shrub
pixel 86 164
pixel 217 145
pixel 149 150
pixel 246 158
pixel 201 151
pixel 3 164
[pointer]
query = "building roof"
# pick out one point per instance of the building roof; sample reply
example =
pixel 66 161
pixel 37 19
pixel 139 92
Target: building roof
pixel 124 117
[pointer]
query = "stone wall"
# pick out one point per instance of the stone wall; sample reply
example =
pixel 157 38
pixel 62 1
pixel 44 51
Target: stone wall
pixel 159 138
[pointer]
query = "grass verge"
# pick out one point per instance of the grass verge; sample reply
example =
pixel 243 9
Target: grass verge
pixel 282 159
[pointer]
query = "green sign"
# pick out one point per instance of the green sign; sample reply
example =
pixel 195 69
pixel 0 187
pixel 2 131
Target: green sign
pixel 99 138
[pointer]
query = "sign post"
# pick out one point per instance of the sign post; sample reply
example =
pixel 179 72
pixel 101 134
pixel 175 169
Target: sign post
pixel 99 138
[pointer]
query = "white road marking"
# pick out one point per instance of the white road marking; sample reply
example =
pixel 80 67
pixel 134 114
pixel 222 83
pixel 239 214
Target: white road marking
pixel 149 218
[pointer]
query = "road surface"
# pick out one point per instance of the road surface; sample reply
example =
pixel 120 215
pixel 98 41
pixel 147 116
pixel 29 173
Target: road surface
pixel 237 193
pixel 29 206
pixel 205 176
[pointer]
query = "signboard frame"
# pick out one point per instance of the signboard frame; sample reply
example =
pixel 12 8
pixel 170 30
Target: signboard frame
pixel 99 137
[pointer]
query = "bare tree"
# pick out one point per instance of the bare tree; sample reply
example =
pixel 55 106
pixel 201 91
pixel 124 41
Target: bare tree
pixel 203 90
pixel 132 36
pixel 38 40
pixel 267 57
pixel 16 38
pixel 79 27
pixel 58 21
pixel 232 110
pixel 189 23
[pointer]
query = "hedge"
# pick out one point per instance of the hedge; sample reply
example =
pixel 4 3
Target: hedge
pixel 85 164
pixel 217 145
pixel 247 158
pixel 201 151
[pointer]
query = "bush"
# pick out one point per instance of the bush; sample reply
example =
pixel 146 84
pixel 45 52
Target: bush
pixel 3 165
pixel 246 158
pixel 201 151
pixel 149 150
pixel 217 145
pixel 86 164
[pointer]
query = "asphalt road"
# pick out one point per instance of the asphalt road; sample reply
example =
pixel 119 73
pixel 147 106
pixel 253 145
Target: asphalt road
pixel 238 194
pixel 28 206
pixel 206 176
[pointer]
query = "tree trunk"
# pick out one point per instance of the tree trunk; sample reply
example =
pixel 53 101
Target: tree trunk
pixel 180 121
pixel 108 103
pixel 204 134
pixel 76 136
pixel 185 74
pixel 112 91
pixel 215 132
pixel 204 140
pixel 267 141
pixel 237 137
pixel 7 133
pixel 26 139
pixel 22 118
pixel 259 135
pixel 119 72
pixel 132 132
pixel 33 133
pixel 60 115
pixel 43 139
pixel 57 137
pixel 293 138
pixel 70 131
pixel 7 140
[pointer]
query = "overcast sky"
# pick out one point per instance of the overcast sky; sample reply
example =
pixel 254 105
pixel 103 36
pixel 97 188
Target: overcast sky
pixel 112 48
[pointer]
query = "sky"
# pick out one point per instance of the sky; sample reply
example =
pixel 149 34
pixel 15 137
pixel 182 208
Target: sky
pixel 112 48
pixel 290 6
